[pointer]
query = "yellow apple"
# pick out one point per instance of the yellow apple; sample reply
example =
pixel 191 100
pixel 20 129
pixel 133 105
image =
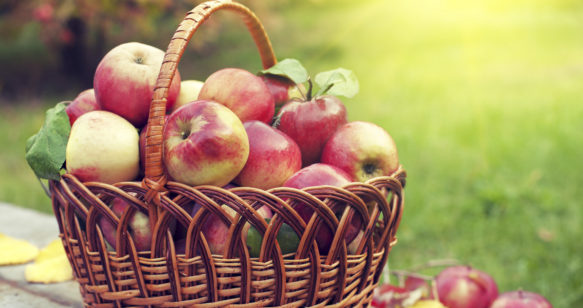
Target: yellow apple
pixel 103 147
pixel 189 90
pixel 428 304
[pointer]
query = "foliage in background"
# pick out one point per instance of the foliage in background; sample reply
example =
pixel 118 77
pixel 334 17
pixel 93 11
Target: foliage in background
pixel 54 46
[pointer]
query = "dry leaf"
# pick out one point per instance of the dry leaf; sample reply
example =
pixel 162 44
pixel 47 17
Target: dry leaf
pixel 16 251
pixel 51 265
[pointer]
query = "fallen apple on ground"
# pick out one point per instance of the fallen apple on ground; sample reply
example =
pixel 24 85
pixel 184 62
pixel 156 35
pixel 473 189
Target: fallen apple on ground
pixel 465 287
pixel 520 299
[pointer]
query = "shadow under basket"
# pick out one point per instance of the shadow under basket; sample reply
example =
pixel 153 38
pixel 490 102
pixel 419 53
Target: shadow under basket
pixel 185 273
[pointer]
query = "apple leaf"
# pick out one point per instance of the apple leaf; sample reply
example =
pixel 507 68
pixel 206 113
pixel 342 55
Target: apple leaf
pixel 289 68
pixel 339 82
pixel 45 151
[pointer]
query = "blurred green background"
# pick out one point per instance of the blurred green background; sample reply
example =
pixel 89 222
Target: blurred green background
pixel 483 99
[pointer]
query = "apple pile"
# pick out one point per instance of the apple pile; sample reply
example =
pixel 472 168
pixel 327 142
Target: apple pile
pixel 456 286
pixel 236 128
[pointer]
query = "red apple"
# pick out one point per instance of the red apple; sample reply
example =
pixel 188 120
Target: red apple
pixel 216 231
pixel 282 89
pixel 139 226
pixel 242 92
pixel 83 103
pixel 311 123
pixel 273 157
pixel 465 287
pixel 322 174
pixel 204 143
pixel 363 150
pixel 125 78
pixel 388 295
pixel 521 299
pixel 413 283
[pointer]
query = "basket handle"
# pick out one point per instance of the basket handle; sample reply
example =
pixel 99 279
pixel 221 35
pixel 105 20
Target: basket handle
pixel 155 178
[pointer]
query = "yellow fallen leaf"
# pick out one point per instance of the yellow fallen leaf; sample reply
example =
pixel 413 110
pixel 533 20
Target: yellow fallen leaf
pixel 51 265
pixel 53 249
pixel 55 269
pixel 16 251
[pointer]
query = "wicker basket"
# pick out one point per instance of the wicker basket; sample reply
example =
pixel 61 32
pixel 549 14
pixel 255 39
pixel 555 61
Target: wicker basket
pixel 122 276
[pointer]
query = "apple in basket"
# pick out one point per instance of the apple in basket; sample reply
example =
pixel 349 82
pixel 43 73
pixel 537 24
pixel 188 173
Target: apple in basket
pixel 139 226
pixel 204 143
pixel 83 103
pixel 189 90
pixel 273 157
pixel 520 299
pixel 363 150
pixel 125 78
pixel 310 124
pixel 323 174
pixel 282 89
pixel 103 147
pixel 465 287
pixel 214 229
pixel 242 92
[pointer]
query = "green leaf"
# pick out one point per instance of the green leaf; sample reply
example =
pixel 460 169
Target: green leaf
pixel 339 82
pixel 45 151
pixel 289 68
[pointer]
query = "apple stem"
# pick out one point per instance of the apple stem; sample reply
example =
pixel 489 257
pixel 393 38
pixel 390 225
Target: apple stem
pixel 310 88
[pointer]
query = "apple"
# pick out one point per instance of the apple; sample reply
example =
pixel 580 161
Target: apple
pixel 242 92
pixel 413 283
pixel 311 123
pixel 282 89
pixel 273 157
pixel 388 295
pixel 465 287
pixel 323 174
pixel 204 143
pixel 363 150
pixel 216 231
pixel 520 299
pixel 103 147
pixel 125 78
pixel 189 90
pixel 83 103
pixel 139 226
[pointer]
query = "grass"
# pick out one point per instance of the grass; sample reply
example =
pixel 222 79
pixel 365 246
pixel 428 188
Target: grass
pixel 484 102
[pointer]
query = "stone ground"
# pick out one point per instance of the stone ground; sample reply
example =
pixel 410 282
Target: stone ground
pixel 39 229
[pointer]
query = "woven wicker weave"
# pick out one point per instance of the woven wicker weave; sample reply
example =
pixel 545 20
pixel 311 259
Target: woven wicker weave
pixel 124 277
